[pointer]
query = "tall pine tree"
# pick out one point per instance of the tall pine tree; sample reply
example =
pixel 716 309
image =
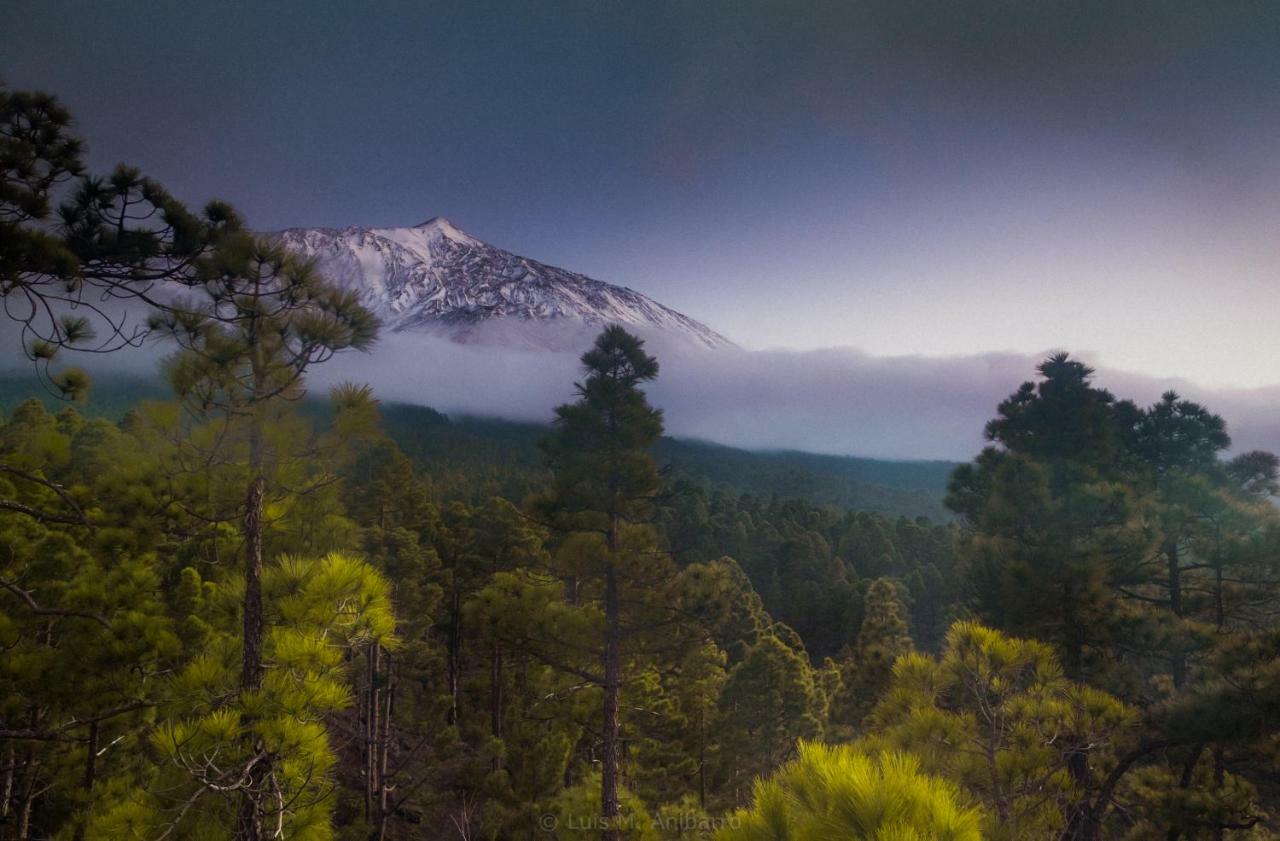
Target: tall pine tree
pixel 603 490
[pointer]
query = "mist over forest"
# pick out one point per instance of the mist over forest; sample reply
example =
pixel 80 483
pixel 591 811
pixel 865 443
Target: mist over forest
pixel 838 401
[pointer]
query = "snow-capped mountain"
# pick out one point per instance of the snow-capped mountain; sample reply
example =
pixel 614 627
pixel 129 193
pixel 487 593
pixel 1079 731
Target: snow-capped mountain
pixel 435 278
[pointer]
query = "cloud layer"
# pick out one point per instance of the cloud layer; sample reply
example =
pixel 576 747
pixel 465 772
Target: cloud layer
pixel 836 400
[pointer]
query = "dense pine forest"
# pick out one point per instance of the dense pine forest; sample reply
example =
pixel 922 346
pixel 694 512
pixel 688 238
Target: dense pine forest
pixel 227 611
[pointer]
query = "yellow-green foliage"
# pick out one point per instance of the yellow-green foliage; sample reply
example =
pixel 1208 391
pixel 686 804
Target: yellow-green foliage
pixel 838 793
pixel 995 714
pixel 317 611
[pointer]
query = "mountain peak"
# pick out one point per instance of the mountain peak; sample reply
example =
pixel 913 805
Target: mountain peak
pixel 437 278
pixel 444 227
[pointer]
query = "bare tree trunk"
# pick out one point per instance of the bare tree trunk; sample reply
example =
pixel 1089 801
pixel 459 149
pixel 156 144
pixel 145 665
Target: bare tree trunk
pixel 30 770
pixel 251 662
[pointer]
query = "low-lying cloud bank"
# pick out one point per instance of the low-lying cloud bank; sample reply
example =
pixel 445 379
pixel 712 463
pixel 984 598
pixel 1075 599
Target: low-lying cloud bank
pixel 839 400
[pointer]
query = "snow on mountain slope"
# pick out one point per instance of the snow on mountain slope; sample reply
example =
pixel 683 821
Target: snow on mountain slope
pixel 435 278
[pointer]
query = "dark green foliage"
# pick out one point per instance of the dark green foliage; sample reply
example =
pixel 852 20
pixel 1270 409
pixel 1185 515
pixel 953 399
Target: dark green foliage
pixel 891 488
pixel 770 700
pixel 1055 523
pixel 811 565
pixel 867 665
pixel 602 471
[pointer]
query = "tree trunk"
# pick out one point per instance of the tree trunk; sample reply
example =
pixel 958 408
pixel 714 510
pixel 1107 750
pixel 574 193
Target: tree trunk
pixel 384 748
pixel 91 757
pixel 90 772
pixel 251 662
pixel 495 698
pixel 1178 663
pixel 1085 817
pixel 372 733
pixel 1219 777
pixel 609 805
pixel 24 817
pixel 26 805
pixel 1188 773
pixel 455 648
pixel 609 760
pixel 997 790
pixel 1083 822
pixel 702 757
pixel 249 819
pixel 30 771
pixel 6 789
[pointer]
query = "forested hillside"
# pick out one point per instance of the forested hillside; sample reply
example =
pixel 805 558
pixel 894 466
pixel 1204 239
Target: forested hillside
pixel 229 612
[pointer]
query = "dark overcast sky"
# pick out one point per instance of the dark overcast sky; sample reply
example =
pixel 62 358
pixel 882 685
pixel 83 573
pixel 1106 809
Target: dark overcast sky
pixel 901 176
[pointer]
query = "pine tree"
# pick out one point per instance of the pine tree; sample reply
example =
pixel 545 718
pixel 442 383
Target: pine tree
pixel 602 498
pixel 1179 442
pixel 1053 516
pixel 882 639
pixel 771 700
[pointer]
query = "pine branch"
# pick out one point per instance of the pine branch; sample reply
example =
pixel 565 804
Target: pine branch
pixel 44 516
pixel 60 734
pixel 35 608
